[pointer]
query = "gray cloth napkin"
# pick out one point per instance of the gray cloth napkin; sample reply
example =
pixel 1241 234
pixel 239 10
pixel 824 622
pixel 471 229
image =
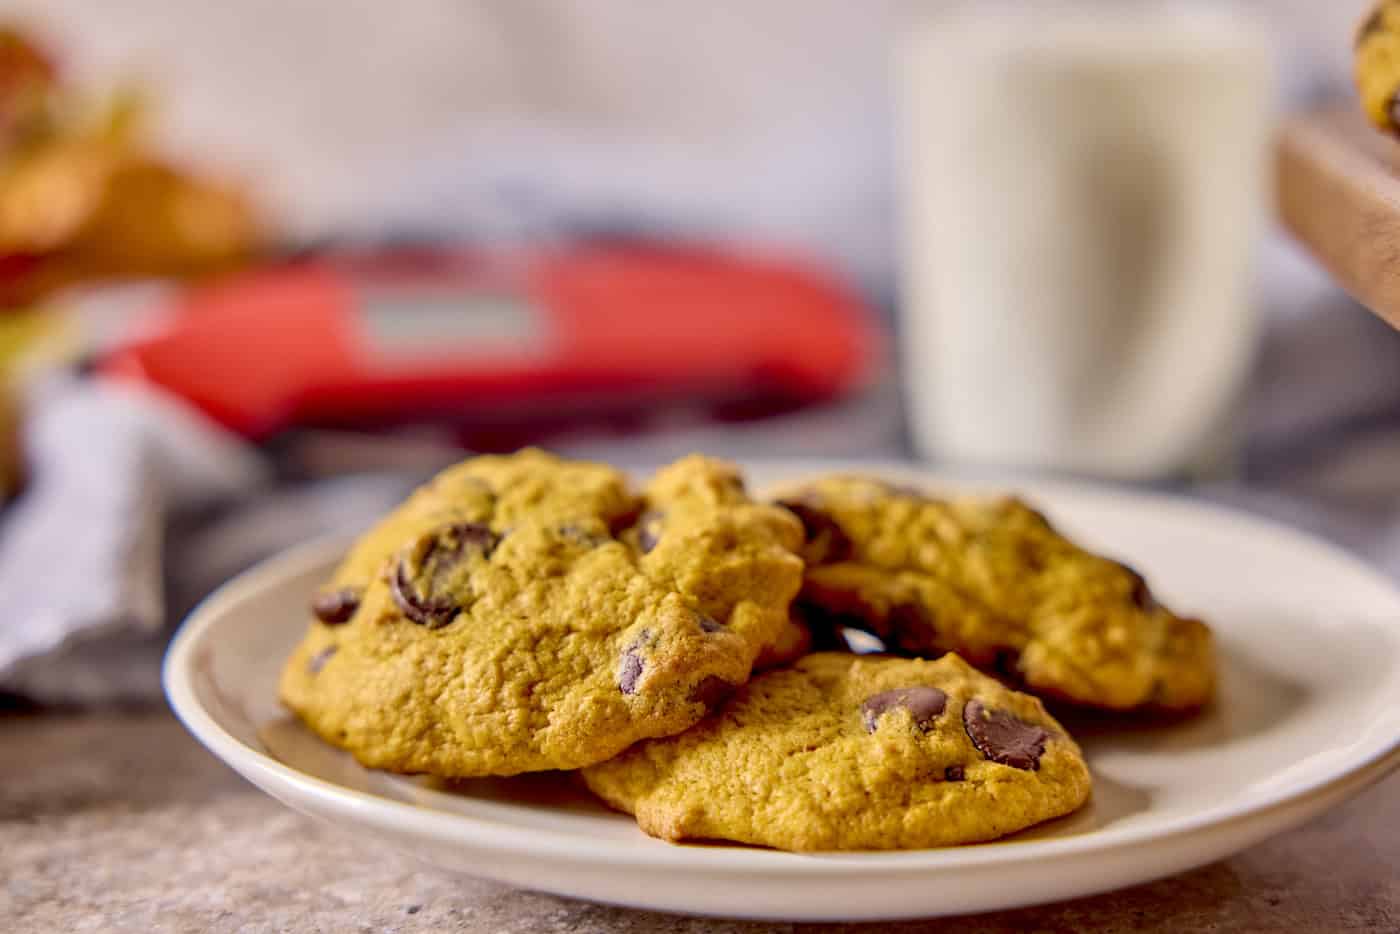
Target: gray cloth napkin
pixel 81 566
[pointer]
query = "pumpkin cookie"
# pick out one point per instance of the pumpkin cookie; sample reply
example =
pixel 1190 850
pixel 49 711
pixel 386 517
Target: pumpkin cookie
pixel 842 752
pixel 514 615
pixel 991 580
pixel 1378 65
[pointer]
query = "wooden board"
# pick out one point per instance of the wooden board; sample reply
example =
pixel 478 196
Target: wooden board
pixel 1338 182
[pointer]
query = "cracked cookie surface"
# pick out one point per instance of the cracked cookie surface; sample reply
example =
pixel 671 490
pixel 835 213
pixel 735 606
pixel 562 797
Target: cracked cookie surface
pixel 845 752
pixel 990 579
pixel 507 618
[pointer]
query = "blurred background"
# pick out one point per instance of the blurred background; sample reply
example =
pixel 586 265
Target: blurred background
pixel 263 266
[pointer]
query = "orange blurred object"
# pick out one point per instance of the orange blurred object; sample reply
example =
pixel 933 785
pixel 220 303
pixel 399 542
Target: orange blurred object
pixel 82 198
pixel 27 77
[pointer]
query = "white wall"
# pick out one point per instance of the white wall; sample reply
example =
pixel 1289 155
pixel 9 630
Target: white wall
pixel 768 114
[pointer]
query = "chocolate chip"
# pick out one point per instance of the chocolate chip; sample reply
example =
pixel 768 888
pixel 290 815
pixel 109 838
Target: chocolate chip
pixel 709 624
pixel 1141 594
pixel 473 535
pixel 649 530
pixel 1392 110
pixel 953 773
pixel 712 691
pixel 336 606
pixel 631 672
pixel 426 568
pixel 315 663
pixel 826 540
pixel 433 613
pixel 923 703
pixel 1003 738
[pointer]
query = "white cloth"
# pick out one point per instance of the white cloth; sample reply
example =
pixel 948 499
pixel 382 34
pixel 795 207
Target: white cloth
pixel 80 551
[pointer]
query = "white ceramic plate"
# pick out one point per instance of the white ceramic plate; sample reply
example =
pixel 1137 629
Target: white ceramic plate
pixel 1309 714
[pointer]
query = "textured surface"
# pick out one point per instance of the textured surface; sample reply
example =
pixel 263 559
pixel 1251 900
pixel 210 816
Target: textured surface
pixel 122 823
pixel 842 752
pixel 991 580
pixel 512 616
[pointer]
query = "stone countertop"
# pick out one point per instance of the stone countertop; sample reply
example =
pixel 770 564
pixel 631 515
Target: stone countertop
pixel 121 822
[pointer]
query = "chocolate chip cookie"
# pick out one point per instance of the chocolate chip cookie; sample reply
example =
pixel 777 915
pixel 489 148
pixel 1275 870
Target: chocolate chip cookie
pixel 845 752
pixel 523 613
pixel 991 580
pixel 1377 66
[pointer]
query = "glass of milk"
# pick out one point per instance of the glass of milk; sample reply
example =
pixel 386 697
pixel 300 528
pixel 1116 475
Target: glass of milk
pixel 1082 188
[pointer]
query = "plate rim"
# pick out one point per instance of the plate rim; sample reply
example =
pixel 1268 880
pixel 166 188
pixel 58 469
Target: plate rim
pixel 394 816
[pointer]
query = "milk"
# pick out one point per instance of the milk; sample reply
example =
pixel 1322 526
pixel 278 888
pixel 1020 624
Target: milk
pixel 1082 188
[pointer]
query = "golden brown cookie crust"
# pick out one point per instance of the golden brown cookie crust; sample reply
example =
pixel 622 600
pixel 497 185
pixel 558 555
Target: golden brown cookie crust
pixel 504 620
pixel 842 752
pixel 793 642
pixel 991 580
pixel 1377 65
